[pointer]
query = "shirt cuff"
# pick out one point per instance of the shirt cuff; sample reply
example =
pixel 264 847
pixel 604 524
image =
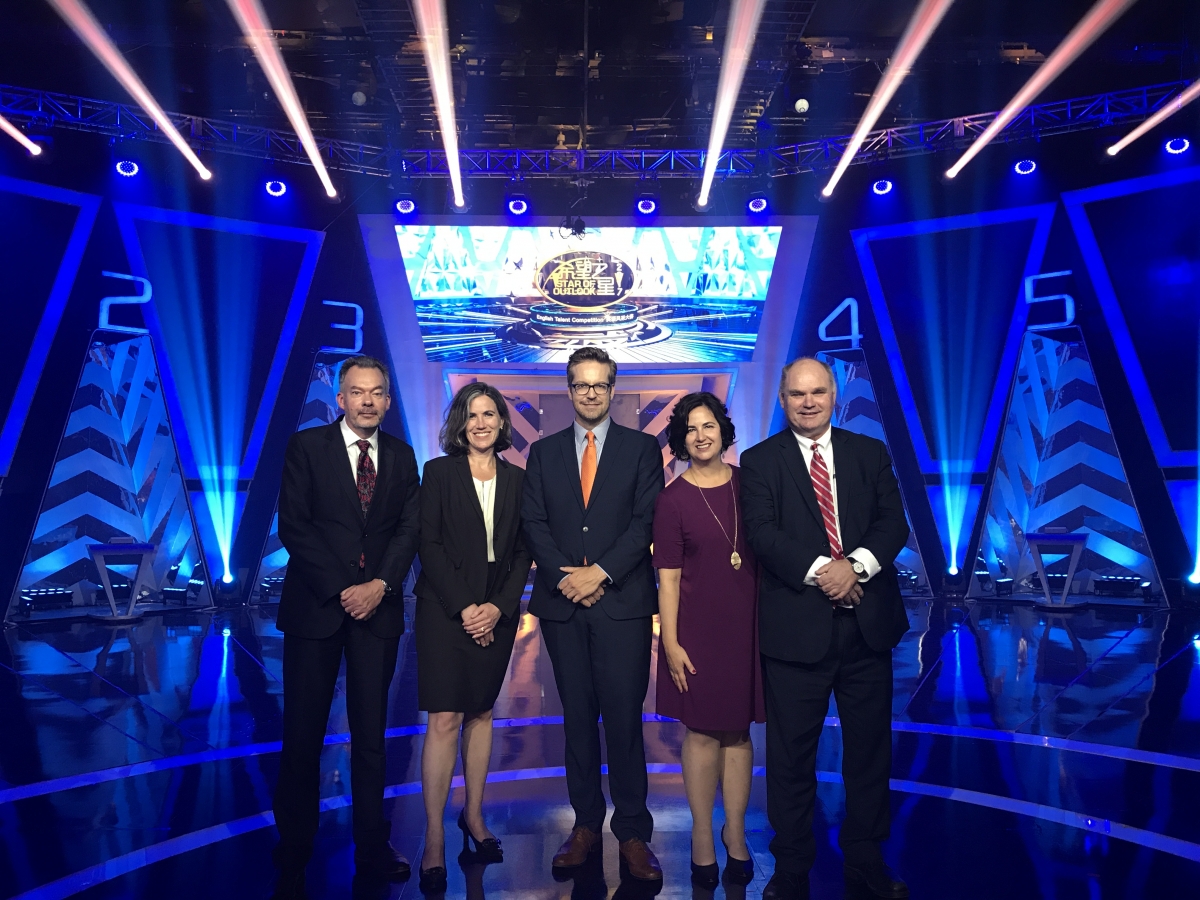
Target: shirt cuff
pixel 870 563
pixel 811 577
pixel 607 577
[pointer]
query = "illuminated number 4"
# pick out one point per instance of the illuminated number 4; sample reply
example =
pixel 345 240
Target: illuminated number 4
pixel 854 337
pixel 107 303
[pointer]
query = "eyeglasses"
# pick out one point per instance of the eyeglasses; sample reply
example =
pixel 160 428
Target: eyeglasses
pixel 582 387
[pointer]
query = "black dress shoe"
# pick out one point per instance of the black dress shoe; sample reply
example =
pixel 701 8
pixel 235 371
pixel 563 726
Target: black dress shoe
pixel 706 876
pixel 433 881
pixel 878 879
pixel 290 886
pixel 384 863
pixel 786 886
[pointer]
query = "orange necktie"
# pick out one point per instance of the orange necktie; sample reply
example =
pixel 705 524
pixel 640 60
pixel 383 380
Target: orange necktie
pixel 587 468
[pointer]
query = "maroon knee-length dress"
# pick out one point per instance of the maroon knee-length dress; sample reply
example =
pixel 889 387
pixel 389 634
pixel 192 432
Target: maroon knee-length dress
pixel 718 608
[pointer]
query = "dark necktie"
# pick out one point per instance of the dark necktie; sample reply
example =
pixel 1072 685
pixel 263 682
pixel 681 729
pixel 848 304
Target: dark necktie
pixel 366 485
pixel 819 473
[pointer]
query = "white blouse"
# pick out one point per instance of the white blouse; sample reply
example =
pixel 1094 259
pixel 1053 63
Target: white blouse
pixel 486 492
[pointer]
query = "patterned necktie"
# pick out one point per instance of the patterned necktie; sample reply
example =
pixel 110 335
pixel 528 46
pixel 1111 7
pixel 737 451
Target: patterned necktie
pixel 366 485
pixel 587 468
pixel 819 473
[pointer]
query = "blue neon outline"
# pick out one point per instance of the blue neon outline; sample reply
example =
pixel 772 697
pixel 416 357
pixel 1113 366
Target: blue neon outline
pixel 1043 214
pixel 127 217
pixel 52 312
pixel 1110 306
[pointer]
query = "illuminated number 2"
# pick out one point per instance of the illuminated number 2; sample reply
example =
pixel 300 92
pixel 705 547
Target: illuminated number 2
pixel 854 336
pixel 356 327
pixel 1067 299
pixel 108 302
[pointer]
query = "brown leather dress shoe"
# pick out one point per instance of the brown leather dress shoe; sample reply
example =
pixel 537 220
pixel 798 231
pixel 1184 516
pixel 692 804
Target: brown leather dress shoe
pixel 575 849
pixel 640 860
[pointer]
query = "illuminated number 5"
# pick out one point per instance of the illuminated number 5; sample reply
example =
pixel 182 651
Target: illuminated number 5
pixel 356 327
pixel 854 336
pixel 108 302
pixel 1067 299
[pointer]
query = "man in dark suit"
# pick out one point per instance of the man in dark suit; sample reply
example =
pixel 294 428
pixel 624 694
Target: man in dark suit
pixel 829 617
pixel 589 511
pixel 349 517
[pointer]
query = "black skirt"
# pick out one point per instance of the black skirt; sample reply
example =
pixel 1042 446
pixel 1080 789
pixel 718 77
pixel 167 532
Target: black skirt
pixel 455 674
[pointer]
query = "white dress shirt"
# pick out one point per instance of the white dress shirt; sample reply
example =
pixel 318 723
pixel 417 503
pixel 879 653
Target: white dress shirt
pixel 486 492
pixel 862 554
pixel 352 450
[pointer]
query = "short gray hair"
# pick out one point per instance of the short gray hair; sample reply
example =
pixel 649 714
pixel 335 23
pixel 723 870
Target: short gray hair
pixel 364 362
pixel 783 376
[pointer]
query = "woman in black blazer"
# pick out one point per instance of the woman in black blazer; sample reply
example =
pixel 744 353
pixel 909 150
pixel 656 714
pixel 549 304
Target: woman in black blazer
pixel 473 570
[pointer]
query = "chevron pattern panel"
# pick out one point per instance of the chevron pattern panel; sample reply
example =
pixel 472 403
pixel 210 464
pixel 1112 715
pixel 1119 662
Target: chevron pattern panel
pixel 1059 471
pixel 320 408
pixel 116 477
pixel 857 410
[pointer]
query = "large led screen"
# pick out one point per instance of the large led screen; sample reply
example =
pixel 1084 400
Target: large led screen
pixel 488 294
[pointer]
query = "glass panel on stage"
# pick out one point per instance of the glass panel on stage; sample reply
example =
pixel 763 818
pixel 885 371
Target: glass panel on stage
pixel 1059 491
pixel 857 410
pixel 116 483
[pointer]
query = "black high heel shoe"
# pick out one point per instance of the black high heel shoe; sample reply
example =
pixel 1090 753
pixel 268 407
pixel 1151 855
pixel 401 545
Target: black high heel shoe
pixel 706 876
pixel 487 850
pixel 737 871
pixel 433 881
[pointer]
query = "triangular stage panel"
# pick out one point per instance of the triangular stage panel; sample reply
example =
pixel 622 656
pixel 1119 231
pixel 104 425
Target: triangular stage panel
pixel 857 410
pixel 116 479
pixel 1058 472
pixel 320 408
pixel 227 299
pixel 947 295
pixel 43 233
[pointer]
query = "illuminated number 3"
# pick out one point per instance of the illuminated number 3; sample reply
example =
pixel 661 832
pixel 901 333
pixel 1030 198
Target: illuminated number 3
pixel 342 326
pixel 854 337
pixel 108 302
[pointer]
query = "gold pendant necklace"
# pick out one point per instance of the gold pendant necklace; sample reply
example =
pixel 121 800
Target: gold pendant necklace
pixel 735 558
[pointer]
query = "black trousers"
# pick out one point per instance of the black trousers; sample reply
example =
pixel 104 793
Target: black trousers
pixel 602 668
pixel 797 699
pixel 310 671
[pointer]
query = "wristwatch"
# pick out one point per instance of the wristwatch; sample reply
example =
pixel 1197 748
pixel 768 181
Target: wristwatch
pixel 860 571
pixel 387 588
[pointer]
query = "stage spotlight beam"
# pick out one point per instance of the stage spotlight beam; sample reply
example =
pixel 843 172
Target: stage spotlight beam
pixel 84 24
pixel 920 28
pixel 19 136
pixel 430 16
pixel 253 22
pixel 1083 35
pixel 744 16
pixel 1192 92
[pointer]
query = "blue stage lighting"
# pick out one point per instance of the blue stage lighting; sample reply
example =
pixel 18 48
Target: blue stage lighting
pixel 227 578
pixel 953 570
pixel 757 204
pixel 276 188
pixel 647 205
pixel 1178 145
pixel 127 168
pixel 1025 167
pixel 881 187
pixel 517 205
pixel 226 632
pixel 406 206
pixel 1194 578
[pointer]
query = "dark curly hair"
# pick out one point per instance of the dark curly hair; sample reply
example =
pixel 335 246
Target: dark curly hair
pixel 453 437
pixel 677 428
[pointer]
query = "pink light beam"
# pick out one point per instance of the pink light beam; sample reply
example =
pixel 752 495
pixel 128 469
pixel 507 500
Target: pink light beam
pixel 1192 92
pixel 430 16
pixel 1083 35
pixel 84 24
pixel 19 136
pixel 744 16
pixel 920 28
pixel 253 22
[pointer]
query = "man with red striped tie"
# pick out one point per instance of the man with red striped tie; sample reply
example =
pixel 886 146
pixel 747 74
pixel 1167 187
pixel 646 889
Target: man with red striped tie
pixel 829 617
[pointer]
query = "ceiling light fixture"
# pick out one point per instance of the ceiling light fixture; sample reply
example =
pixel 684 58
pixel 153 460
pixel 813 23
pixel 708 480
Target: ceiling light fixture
pixel 84 24
pixel 19 136
pixel 1190 94
pixel 276 188
pixel 744 16
pixel 1025 167
pixel 1083 35
pixel 1175 146
pixel 127 168
pixel 881 187
pixel 920 28
pixel 257 30
pixel 430 16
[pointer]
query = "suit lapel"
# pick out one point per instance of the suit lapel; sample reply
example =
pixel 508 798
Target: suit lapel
pixel 843 482
pixel 567 445
pixel 794 463
pixel 462 466
pixel 500 520
pixel 608 459
pixel 339 460
pixel 387 462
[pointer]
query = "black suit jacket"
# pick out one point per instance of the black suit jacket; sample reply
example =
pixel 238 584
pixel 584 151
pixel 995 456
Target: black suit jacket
pixel 454 566
pixel 324 530
pixel 614 531
pixel 786 531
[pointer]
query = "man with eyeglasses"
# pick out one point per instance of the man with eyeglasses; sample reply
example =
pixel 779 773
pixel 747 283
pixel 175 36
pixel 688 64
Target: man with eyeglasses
pixel 588 515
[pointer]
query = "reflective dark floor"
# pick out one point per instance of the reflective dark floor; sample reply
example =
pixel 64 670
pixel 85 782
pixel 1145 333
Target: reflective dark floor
pixel 1036 755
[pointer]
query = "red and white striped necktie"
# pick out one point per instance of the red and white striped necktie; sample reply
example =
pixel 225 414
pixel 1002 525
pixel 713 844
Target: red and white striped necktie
pixel 819 473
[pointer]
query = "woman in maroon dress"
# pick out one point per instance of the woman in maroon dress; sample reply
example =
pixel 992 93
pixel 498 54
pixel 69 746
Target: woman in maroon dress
pixel 708 670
